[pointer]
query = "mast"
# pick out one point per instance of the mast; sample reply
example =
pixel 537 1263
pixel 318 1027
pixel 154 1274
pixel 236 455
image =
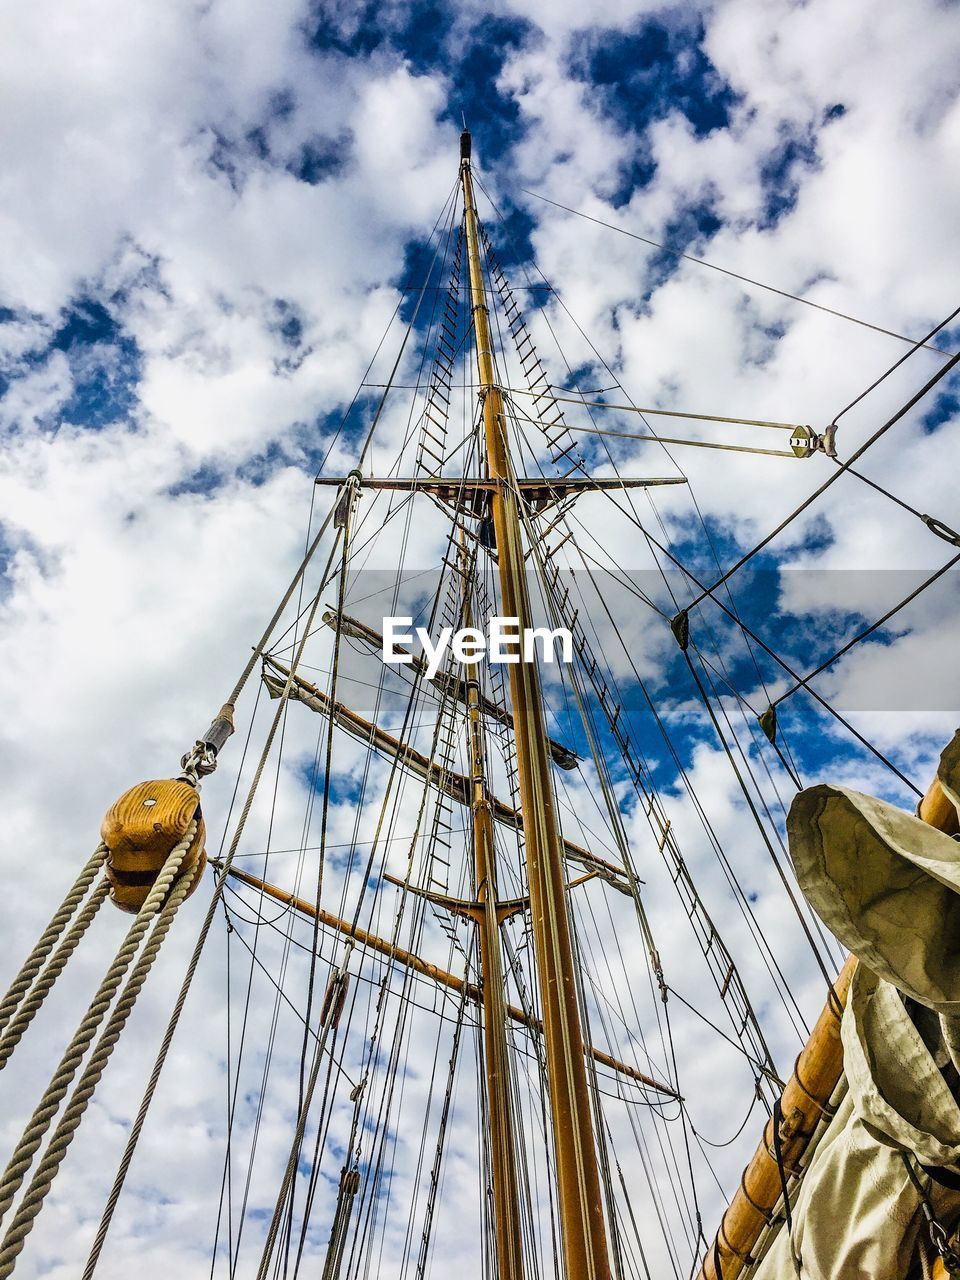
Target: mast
pixel 578 1179
pixel 506 1198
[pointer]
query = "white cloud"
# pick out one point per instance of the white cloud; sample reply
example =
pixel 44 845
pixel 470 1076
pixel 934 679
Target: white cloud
pixel 128 605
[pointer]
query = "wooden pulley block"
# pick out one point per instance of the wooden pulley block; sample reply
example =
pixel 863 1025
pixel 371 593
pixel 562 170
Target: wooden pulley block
pixel 141 829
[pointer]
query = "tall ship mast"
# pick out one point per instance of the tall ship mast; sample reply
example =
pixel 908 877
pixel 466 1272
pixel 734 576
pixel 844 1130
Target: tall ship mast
pixel 453 1038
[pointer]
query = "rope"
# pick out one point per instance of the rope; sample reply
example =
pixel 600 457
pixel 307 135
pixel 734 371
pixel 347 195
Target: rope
pixel 42 1181
pixel 709 591
pixel 896 365
pixel 757 284
pixel 308 556
pixel 862 635
pixel 662 440
pixel 655 413
pixel 261 644
pixel 46 941
pixel 293 1158
pixel 843 466
pixel 59 1084
pixel 38 993
pixel 174 1019
pixel 935 525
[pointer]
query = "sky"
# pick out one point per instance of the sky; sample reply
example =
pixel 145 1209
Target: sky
pixel 210 213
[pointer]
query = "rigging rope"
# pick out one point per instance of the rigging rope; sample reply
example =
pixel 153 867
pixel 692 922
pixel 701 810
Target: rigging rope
pixel 47 940
pixel 69 1122
pixel 60 1082
pixel 897 363
pixel 655 413
pixel 757 284
pixel 841 468
pixel 731 612
pixel 935 525
pixel 174 1019
pixel 41 988
pixel 666 841
pixel 862 635
pixel 662 440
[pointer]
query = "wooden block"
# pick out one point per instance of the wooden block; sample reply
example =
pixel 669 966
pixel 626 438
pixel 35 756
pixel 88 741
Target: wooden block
pixel 147 821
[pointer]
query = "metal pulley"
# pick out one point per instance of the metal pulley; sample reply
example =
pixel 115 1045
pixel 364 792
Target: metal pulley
pixel 141 829
pixel 803 441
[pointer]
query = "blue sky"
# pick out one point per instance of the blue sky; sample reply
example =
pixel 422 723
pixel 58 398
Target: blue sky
pixel 209 217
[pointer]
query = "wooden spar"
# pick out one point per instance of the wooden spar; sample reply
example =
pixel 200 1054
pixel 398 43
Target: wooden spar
pixel 445 682
pixel 583 1230
pixel 455 785
pixel 440 976
pixel 496 1054
pixel 802 1104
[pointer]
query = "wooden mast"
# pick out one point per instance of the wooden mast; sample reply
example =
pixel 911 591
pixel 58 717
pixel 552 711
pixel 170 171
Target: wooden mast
pixel 578 1179
pixel 487 914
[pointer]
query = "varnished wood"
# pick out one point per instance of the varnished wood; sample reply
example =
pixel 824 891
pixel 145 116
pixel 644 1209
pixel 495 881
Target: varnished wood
pixel 450 980
pixel 579 1195
pixel 140 829
pixel 501 1128
pixel 146 822
pixel 937 809
pixel 131 897
pixel 455 785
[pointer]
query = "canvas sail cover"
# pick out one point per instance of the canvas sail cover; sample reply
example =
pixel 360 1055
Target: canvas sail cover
pixel 888 886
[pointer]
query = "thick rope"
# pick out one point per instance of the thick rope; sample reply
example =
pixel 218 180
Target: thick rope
pixel 42 1181
pixel 174 1020
pixel 41 988
pixel 47 940
pixel 60 1083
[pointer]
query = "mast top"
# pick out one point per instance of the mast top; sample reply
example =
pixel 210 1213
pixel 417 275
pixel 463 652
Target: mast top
pixel 466 143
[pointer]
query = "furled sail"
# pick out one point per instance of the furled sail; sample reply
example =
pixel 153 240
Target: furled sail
pixel 886 1167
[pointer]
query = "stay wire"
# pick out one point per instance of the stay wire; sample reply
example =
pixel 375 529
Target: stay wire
pixel 444 240
pixel 338 1063
pixel 896 365
pixel 757 284
pixel 874 626
pixel 781 976
pixel 406 337
pixel 781 662
pixel 934 524
pixel 370 432
pixel 842 467
pixel 737 891
pixel 789 765
pixel 134 1135
pixel 615 819
pixel 828 977
pixel 264 639
pixel 708 592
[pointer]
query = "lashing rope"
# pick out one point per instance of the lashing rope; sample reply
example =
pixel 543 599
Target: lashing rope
pixel 47 940
pixel 42 1181
pixel 41 988
pixel 56 1090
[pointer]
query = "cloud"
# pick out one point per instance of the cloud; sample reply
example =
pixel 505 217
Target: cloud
pixel 210 216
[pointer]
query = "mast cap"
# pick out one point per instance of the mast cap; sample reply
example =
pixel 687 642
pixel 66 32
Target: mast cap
pixel 466 143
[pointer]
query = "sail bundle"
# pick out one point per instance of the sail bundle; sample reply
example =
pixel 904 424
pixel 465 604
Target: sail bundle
pixel 882 1174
